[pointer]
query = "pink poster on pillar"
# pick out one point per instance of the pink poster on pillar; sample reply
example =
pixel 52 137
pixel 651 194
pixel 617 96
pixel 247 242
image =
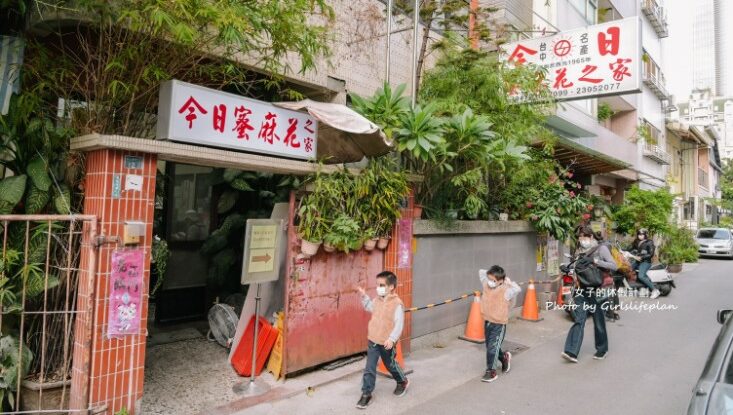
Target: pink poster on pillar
pixel 404 244
pixel 125 288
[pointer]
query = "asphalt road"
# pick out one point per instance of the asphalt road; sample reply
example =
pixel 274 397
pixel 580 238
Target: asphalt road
pixel 654 361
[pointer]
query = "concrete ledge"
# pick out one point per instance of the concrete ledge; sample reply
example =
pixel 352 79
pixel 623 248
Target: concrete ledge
pixel 429 227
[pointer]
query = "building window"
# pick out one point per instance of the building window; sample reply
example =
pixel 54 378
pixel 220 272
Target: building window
pixel 587 8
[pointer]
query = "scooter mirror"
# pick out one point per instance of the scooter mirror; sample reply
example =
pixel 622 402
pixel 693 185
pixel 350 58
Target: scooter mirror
pixel 723 315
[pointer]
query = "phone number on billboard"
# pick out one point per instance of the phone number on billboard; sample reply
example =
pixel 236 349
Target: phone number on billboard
pixel 587 89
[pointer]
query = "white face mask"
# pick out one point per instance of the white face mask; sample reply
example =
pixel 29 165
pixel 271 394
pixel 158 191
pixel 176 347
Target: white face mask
pixel 492 283
pixel 585 243
pixel 381 291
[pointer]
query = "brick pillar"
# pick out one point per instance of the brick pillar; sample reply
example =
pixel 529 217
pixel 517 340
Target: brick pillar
pixel 113 368
pixel 404 275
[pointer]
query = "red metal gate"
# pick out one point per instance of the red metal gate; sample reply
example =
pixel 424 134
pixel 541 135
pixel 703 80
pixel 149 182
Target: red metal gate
pixel 47 271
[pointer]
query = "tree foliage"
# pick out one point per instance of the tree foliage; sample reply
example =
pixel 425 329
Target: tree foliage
pixel 650 209
pixel 109 65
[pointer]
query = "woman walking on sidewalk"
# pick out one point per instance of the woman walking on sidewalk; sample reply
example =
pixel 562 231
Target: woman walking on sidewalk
pixel 587 300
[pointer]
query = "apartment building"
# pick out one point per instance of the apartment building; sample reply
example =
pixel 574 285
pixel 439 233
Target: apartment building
pixel 628 144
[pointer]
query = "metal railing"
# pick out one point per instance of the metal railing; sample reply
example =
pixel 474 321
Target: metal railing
pixel 41 269
pixel 657 16
pixel 657 154
pixel 656 84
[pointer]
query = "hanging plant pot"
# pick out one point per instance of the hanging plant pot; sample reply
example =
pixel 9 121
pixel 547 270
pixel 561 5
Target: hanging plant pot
pixel 328 247
pixel 357 246
pixel 309 248
pixel 417 211
pixel 370 244
pixel 383 243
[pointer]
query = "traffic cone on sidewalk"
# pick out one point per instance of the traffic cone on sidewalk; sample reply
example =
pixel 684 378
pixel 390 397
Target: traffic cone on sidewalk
pixel 382 370
pixel 530 310
pixel 475 323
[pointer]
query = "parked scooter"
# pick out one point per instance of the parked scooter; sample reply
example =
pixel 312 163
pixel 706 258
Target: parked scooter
pixel 567 282
pixel 658 275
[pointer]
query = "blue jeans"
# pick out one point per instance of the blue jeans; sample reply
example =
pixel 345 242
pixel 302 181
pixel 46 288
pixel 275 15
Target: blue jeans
pixel 641 268
pixel 586 305
pixel 494 337
pixel 374 352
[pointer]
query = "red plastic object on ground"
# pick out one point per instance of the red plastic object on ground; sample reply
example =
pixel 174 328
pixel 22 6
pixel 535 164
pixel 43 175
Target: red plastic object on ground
pixel 266 337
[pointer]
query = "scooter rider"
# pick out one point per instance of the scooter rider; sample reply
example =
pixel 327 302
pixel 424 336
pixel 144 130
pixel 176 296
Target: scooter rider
pixel 643 249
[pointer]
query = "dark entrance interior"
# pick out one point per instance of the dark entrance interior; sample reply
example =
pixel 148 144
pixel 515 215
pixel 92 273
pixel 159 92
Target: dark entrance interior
pixel 201 214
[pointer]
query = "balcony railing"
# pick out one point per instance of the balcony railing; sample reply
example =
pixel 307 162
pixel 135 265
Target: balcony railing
pixel 656 153
pixel 656 84
pixel 657 16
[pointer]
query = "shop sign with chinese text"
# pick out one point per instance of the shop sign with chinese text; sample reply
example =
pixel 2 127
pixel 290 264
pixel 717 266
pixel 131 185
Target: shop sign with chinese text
pixel 593 61
pixel 194 114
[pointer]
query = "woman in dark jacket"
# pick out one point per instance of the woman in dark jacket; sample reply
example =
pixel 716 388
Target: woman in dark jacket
pixel 588 302
pixel 643 248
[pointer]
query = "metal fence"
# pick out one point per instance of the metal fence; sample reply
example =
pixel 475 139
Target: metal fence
pixel 44 259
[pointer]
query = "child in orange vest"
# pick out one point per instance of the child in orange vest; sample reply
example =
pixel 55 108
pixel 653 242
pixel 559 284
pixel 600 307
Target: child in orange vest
pixel 496 300
pixel 385 329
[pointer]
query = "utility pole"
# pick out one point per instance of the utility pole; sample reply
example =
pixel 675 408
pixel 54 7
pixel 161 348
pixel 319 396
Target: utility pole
pixel 472 35
pixel 389 41
pixel 415 20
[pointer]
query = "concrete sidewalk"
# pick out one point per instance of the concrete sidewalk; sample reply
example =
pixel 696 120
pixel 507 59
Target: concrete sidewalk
pixel 440 365
pixel 447 364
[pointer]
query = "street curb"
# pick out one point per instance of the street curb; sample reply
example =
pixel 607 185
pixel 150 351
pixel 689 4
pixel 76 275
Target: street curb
pixel 272 396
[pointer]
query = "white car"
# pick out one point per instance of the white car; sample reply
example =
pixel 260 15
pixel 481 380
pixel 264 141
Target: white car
pixel 717 242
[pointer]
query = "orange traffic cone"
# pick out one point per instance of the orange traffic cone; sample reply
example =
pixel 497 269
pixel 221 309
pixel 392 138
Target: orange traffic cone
pixel 382 370
pixel 475 323
pixel 530 310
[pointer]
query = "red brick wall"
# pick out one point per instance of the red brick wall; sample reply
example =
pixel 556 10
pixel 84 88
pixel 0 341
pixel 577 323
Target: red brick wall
pixel 113 368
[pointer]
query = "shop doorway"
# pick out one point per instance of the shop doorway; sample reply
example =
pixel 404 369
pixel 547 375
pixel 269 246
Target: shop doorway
pixel 200 214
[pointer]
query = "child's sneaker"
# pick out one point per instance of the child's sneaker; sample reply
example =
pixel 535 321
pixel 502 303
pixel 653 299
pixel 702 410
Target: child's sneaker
pixel 506 364
pixel 489 376
pixel 569 357
pixel 364 401
pixel 401 388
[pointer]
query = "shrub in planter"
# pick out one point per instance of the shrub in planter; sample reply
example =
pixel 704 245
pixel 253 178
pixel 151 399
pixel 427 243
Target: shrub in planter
pixel 312 227
pixel 679 246
pixel 345 234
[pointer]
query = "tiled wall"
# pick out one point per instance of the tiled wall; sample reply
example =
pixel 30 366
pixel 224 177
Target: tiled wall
pixel 112 367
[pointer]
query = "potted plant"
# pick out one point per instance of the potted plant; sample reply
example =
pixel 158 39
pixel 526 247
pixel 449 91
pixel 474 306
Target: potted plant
pixel 345 234
pixel 417 211
pixel 679 247
pixel 604 112
pixel 312 225
pixel 370 241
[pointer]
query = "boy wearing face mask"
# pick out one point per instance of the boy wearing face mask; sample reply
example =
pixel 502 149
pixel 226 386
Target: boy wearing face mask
pixel 385 328
pixel 496 300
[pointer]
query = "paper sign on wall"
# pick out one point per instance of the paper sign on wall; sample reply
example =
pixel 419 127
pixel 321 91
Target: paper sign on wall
pixel 125 288
pixel 404 245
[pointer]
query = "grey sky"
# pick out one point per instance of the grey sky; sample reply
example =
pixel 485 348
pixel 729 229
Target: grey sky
pixel 677 48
